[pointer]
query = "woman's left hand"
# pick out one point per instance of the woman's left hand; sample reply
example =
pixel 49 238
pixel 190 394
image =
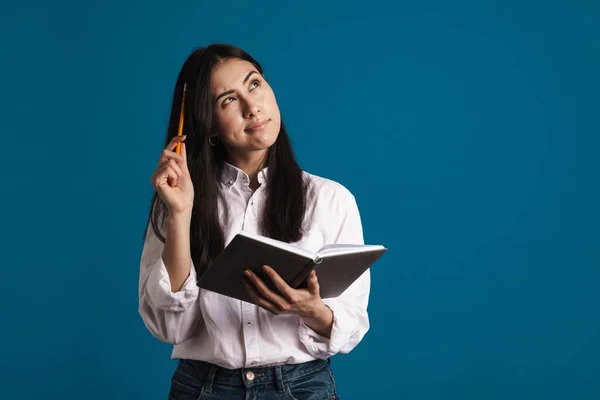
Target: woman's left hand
pixel 306 303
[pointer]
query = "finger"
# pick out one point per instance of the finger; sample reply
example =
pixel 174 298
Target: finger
pixel 258 300
pixel 184 154
pixel 165 175
pixel 158 177
pixel 173 164
pixel 167 155
pixel 313 284
pixel 173 143
pixel 264 291
pixel 280 284
pixel 173 178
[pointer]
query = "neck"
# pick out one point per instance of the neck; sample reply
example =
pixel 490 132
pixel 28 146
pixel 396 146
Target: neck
pixel 251 163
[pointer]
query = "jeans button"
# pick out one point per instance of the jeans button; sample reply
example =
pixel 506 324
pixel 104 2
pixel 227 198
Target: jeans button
pixel 250 375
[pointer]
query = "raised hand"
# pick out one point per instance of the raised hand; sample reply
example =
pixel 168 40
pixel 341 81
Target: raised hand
pixel 171 179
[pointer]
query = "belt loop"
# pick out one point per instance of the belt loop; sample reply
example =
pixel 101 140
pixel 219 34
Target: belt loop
pixel 279 379
pixel 209 379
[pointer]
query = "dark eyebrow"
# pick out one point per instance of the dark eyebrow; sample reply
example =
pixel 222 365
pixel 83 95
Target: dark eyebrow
pixel 231 91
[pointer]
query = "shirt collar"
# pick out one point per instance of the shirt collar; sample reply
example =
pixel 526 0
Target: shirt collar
pixel 230 174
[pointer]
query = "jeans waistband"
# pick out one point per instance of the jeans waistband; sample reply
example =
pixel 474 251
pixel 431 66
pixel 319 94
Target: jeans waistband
pixel 276 375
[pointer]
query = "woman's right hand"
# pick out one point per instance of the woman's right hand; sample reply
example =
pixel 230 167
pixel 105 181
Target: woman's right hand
pixel 171 179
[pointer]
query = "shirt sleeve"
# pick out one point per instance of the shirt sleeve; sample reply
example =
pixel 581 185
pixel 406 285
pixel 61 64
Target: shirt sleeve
pixel 170 317
pixel 350 317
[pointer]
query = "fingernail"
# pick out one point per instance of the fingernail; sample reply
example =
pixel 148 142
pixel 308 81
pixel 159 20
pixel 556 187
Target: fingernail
pixel 247 272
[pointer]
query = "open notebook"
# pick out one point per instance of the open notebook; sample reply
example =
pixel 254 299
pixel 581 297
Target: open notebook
pixel 337 265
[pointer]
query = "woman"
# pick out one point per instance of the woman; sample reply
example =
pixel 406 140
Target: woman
pixel 236 171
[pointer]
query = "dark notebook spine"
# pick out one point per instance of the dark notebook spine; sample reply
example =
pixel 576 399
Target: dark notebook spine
pixel 299 280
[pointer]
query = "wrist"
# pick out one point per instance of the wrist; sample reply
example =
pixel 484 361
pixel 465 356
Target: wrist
pixel 320 319
pixel 320 312
pixel 180 217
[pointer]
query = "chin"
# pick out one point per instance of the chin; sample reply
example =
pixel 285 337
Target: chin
pixel 265 140
pixel 264 144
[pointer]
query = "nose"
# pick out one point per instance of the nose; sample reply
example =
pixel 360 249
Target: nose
pixel 252 108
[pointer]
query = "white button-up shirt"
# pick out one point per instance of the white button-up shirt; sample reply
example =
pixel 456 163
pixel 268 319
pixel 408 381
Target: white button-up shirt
pixel 205 325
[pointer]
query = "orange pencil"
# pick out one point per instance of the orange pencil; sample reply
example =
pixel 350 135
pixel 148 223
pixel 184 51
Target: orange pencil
pixel 178 150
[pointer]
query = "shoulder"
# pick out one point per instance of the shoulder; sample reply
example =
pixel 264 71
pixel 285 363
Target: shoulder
pixel 328 191
pixel 333 211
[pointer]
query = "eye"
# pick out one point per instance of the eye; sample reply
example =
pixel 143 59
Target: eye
pixel 257 82
pixel 226 102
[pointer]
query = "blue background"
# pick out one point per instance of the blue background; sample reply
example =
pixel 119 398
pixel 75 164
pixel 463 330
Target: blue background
pixel 468 132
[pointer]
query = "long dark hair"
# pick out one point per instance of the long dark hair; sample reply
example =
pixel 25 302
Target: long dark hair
pixel 286 188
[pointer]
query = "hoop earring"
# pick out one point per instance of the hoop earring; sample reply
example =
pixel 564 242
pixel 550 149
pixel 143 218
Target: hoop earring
pixel 211 142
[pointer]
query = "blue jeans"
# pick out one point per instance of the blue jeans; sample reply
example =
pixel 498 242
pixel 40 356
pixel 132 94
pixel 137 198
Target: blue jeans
pixel 198 380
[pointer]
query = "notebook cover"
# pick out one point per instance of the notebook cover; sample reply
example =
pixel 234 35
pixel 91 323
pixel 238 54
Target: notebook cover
pixel 226 274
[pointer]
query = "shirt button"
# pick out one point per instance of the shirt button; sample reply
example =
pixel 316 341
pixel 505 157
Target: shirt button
pixel 250 375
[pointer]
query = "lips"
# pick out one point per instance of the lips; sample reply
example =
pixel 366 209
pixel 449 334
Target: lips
pixel 258 126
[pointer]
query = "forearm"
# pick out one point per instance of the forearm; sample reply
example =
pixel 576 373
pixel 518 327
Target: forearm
pixel 321 321
pixel 176 253
pixel 349 325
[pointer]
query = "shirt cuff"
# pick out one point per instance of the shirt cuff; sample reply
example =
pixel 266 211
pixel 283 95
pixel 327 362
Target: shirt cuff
pixel 159 289
pixel 321 347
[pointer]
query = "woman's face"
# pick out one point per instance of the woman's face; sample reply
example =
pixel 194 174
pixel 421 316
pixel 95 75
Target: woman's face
pixel 242 98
